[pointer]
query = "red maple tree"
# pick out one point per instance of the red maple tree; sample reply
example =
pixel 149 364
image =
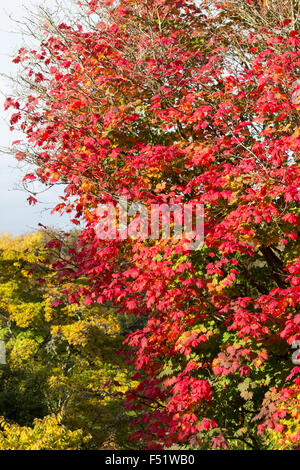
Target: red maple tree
pixel 173 102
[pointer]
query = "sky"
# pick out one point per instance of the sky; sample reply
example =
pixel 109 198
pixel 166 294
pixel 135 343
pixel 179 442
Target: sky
pixel 16 215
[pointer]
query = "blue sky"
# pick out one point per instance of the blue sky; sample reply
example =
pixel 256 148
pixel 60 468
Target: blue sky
pixel 16 216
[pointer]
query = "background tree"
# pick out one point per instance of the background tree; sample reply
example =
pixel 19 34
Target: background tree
pixel 61 362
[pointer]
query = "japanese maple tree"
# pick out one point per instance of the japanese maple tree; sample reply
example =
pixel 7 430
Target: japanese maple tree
pixel 173 102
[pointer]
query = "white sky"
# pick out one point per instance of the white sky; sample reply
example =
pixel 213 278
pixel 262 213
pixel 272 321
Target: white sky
pixel 16 216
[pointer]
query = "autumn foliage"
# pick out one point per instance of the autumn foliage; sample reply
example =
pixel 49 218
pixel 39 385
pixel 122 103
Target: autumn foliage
pixel 167 101
pixel 63 385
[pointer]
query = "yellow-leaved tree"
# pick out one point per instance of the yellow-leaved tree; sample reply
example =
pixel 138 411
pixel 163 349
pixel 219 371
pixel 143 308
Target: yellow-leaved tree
pixel 63 384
